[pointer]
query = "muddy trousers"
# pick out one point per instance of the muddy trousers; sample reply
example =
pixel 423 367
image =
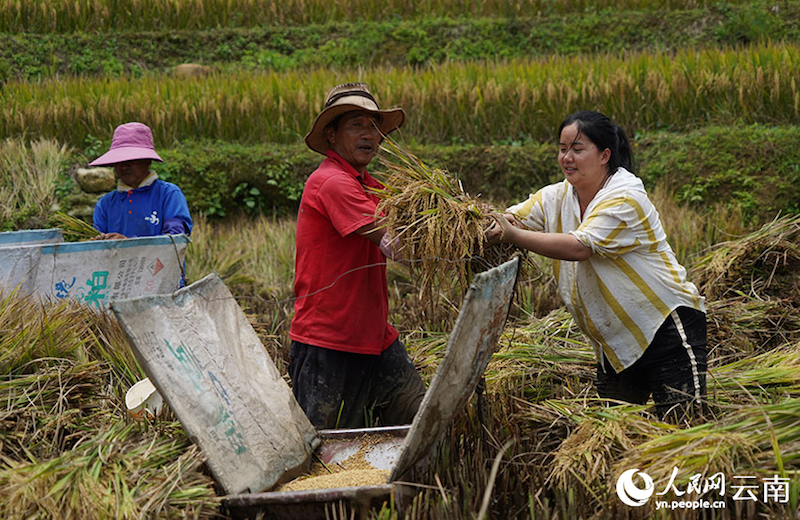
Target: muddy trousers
pixel 672 369
pixel 345 390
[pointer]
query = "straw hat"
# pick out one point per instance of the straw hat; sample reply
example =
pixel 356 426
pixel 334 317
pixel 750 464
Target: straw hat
pixel 344 98
pixel 130 142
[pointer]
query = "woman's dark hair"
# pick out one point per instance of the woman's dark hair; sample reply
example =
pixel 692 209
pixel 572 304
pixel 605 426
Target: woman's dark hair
pixel 599 129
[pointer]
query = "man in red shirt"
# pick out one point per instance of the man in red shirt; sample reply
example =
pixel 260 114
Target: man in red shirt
pixel 348 367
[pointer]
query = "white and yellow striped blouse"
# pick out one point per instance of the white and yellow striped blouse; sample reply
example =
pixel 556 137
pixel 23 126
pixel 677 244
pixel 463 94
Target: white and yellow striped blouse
pixel 622 294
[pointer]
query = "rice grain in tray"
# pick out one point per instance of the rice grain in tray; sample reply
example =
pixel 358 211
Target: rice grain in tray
pixel 348 478
pixel 354 470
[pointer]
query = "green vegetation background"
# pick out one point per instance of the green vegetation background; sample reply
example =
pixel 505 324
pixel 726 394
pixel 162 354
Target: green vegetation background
pixel 369 43
pixel 752 165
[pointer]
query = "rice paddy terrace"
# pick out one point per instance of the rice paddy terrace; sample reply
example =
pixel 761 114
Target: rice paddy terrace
pixel 709 91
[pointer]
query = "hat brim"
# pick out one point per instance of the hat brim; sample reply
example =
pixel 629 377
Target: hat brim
pixel 391 120
pixel 123 154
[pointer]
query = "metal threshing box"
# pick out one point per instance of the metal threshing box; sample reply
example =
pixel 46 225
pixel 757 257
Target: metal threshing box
pixel 200 351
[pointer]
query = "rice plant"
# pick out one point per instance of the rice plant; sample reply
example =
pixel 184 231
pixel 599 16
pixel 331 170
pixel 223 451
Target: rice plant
pixel 477 102
pixel 542 358
pixel 760 439
pixel 741 325
pixel 28 174
pixel 119 472
pixel 34 330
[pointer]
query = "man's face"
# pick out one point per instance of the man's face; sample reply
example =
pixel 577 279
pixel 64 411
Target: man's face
pixel 132 173
pixel 356 138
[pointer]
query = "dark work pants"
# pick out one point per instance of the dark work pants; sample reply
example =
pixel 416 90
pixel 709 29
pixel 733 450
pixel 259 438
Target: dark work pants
pixel 345 390
pixel 672 369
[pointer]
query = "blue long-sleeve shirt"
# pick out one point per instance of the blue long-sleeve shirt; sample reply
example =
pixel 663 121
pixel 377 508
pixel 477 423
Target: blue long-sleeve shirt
pixel 157 209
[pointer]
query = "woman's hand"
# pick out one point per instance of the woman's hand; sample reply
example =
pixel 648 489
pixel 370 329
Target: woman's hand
pixel 109 236
pixel 561 246
pixel 502 230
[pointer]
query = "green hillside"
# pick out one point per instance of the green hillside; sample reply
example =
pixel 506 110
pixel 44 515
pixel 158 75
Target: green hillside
pixel 395 41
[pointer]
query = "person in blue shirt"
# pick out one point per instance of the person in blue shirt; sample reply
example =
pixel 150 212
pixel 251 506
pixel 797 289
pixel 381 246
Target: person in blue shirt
pixel 142 205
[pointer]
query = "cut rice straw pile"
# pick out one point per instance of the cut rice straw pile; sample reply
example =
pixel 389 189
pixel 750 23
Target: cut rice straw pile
pixel 753 430
pixel 438 226
pixel 545 358
pixel 751 284
pixel 755 264
pixel 68 448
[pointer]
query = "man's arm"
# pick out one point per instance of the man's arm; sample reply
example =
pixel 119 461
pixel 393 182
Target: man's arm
pixel 372 232
pixel 381 237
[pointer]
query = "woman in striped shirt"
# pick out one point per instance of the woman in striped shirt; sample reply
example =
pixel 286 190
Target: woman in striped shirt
pixel 615 271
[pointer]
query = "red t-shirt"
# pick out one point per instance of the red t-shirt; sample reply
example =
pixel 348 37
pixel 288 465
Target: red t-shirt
pixel 342 298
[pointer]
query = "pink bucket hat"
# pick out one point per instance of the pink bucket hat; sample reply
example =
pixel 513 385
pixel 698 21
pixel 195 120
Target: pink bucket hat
pixel 131 141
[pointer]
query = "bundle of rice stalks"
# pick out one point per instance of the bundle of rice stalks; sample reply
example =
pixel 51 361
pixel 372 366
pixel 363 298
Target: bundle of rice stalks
pixel 741 324
pixel 601 437
pixel 47 410
pixel 73 227
pixel 747 437
pixel 427 351
pixel 764 262
pixel 546 358
pixel 752 439
pixel 33 330
pixel 592 444
pixel 769 377
pixel 68 448
pixel 438 226
pixel 120 471
pixel 580 440
pixel 110 343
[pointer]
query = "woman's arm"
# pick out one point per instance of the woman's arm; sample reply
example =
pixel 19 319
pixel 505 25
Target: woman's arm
pixel 561 246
